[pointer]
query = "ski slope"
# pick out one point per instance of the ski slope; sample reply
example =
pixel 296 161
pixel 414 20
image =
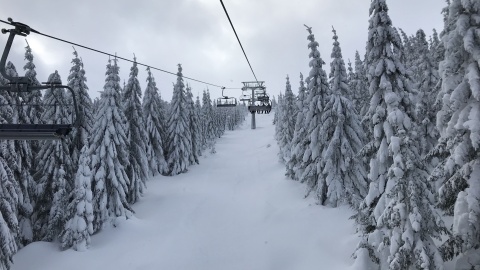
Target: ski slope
pixel 236 210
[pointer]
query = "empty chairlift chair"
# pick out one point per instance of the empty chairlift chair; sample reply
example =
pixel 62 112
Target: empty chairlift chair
pixel 226 101
pixel 16 131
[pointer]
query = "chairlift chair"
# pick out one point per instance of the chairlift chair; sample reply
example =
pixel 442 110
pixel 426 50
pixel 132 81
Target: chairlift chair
pixel 226 101
pixel 12 131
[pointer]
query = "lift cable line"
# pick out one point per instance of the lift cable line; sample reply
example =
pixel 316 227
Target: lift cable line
pixel 226 12
pixel 112 55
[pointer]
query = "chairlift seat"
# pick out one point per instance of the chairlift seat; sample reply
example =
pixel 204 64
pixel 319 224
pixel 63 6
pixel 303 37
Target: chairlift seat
pixel 34 131
pixel 226 105
pixel 257 108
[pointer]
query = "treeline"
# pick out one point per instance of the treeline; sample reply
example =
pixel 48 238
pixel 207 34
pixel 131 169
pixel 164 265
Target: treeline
pixel 67 190
pixel 396 137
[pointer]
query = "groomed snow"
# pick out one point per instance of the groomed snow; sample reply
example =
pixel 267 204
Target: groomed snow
pixel 236 210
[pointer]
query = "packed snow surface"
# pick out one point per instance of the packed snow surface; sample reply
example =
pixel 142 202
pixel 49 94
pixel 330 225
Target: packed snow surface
pixel 236 210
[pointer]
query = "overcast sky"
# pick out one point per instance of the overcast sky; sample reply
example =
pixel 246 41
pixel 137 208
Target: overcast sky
pixel 196 33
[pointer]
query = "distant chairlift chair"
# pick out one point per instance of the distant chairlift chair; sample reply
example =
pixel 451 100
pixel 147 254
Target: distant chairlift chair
pixel 22 84
pixel 226 101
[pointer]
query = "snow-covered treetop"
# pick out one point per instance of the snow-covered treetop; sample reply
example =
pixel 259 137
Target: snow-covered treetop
pixel 338 74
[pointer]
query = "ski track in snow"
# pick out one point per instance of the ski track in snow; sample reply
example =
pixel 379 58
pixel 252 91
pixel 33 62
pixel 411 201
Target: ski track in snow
pixel 236 210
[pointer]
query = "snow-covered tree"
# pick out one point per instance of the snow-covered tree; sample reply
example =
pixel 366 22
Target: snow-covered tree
pixel 54 169
pixel 194 128
pixel 397 217
pixel 458 123
pixel 155 127
pixel 201 135
pixel 10 192
pixel 345 175
pixel 109 152
pixel 79 225
pixel 206 120
pixel 318 91
pixel 299 141
pixel 18 155
pixel 359 87
pixel 32 113
pixel 77 81
pixel 277 118
pixel 137 168
pixel 425 81
pixel 287 123
pixel 179 143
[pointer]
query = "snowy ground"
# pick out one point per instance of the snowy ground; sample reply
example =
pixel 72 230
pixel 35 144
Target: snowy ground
pixel 234 211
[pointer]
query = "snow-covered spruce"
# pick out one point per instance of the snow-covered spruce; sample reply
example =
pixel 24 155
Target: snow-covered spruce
pixel 206 121
pixel 318 91
pixel 397 217
pixel 18 155
pixel 345 175
pixel 359 87
pixel 297 146
pixel 425 79
pixel 77 81
pixel 54 170
pixel 194 128
pixel 179 143
pixel 10 193
pixel 155 127
pixel 32 113
pixel 459 125
pixel 137 168
pixel 287 123
pixel 109 152
pixel 79 226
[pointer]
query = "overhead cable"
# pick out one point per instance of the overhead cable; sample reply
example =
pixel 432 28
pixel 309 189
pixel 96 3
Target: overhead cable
pixel 238 39
pixel 114 55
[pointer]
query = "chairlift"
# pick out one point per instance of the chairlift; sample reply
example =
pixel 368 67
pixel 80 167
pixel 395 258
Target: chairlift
pixel 12 131
pixel 226 101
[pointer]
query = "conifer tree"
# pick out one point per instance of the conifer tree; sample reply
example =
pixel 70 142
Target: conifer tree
pixel 318 91
pixel 359 87
pixel 201 135
pixel 10 198
pixel 109 152
pixel 278 120
pixel 137 168
pixel 179 136
pixel 10 191
pixel 79 226
pixel 342 133
pixel 155 127
pixel 18 155
pixel 54 168
pixel 397 217
pixel 77 81
pixel 287 123
pixel 194 128
pixel 426 79
pixel 32 113
pixel 458 122
pixel 298 144
pixel 207 121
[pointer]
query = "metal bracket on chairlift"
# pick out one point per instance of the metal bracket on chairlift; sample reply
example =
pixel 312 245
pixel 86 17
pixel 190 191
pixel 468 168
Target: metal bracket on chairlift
pixel 23 84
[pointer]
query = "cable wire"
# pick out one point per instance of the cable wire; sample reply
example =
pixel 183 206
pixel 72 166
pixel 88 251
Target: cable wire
pixel 226 12
pixel 112 55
